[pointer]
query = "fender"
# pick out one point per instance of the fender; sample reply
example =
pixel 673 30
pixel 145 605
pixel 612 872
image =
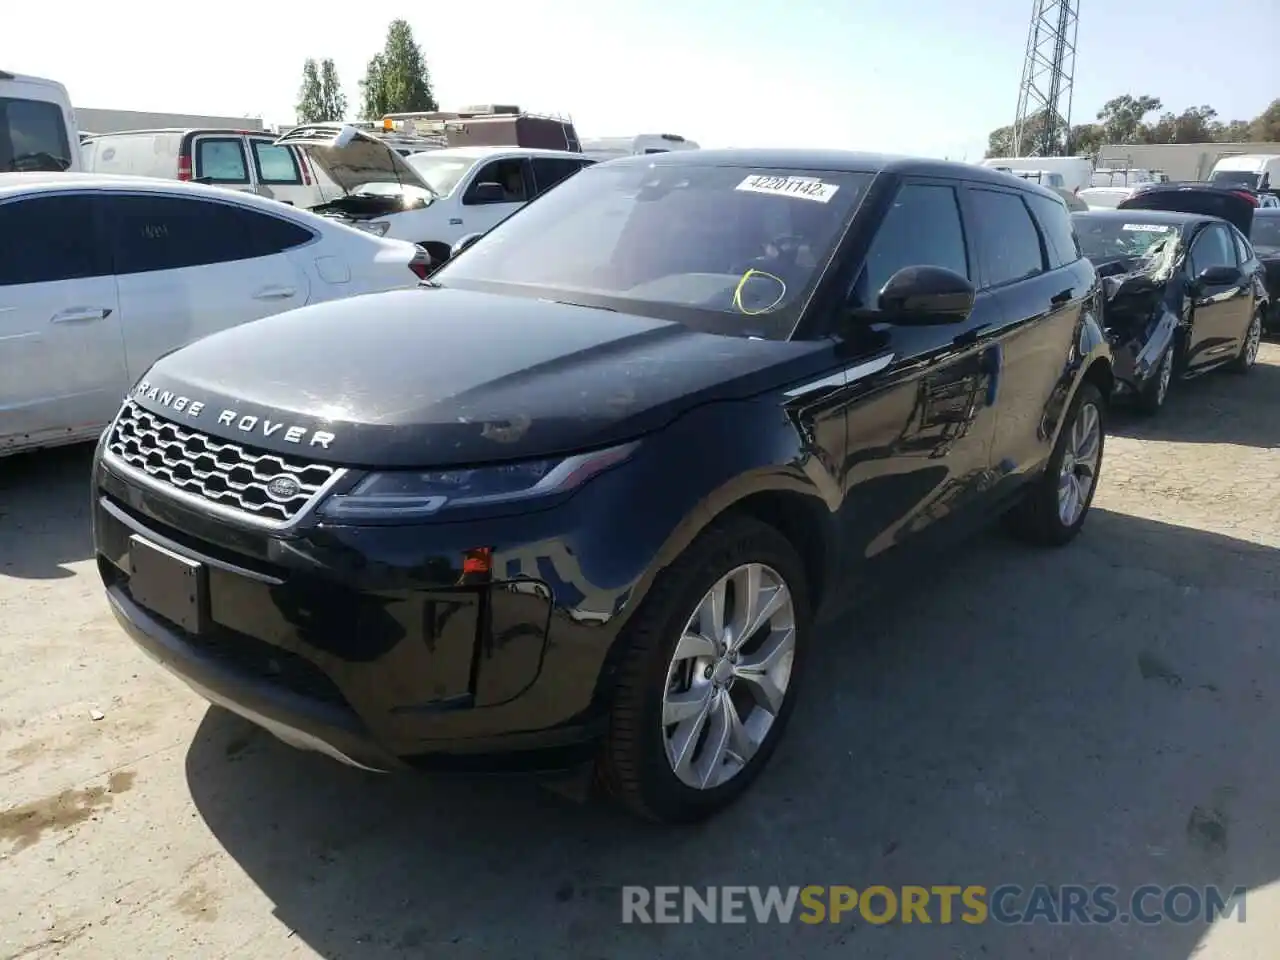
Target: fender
pixel 1090 348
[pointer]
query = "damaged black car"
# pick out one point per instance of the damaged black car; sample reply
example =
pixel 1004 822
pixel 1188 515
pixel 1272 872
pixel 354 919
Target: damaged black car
pixel 1183 289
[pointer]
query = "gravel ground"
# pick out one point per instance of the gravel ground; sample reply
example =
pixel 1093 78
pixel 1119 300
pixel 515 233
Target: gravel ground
pixel 1101 714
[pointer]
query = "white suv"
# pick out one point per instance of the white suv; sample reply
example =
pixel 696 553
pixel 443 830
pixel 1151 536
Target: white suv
pixel 434 198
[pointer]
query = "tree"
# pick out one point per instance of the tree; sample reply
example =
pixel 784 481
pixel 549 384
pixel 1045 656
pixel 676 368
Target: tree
pixel 1237 131
pixel 335 101
pixel 1266 126
pixel 397 79
pixel 310 107
pixel 1122 118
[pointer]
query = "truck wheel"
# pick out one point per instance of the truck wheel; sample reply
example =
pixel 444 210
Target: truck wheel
pixel 708 679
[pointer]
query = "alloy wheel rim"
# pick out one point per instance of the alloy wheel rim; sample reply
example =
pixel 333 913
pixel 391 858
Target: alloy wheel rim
pixel 1080 464
pixel 1166 375
pixel 729 676
pixel 1254 341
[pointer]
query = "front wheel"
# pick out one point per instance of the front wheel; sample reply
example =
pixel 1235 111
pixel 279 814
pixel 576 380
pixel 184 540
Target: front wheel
pixel 708 678
pixel 1057 503
pixel 1248 355
pixel 1155 391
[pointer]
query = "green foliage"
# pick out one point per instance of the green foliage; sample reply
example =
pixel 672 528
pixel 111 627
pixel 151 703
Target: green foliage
pixel 331 95
pixel 310 108
pixel 397 79
pixel 1125 119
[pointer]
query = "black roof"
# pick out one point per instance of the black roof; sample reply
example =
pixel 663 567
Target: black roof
pixel 837 161
pixel 1145 216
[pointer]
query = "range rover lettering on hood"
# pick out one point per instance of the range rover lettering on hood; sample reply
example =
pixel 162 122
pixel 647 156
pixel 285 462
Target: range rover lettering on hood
pixel 246 423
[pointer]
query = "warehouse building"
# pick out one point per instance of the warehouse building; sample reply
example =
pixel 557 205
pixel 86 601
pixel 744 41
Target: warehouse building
pixel 111 121
pixel 1180 161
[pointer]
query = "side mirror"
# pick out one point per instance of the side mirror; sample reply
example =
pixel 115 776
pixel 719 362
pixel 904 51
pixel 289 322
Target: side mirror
pixel 924 296
pixel 463 244
pixel 488 193
pixel 1218 277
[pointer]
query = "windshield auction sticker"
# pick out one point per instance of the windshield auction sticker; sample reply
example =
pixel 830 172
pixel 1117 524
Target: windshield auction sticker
pixel 807 188
pixel 1147 227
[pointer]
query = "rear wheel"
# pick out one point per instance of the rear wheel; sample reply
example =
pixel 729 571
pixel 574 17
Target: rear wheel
pixel 1248 355
pixel 1057 504
pixel 708 680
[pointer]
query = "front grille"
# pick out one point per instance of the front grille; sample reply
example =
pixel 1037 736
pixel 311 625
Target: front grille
pixel 219 471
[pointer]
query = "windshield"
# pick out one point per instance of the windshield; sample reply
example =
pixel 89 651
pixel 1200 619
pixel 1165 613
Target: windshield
pixel 732 249
pixel 33 136
pixel 1265 232
pixel 1111 238
pixel 441 173
pixel 1236 178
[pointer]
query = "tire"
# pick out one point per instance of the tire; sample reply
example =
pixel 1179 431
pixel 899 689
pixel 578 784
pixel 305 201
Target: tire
pixel 634 765
pixel 1248 355
pixel 1155 391
pixel 1038 519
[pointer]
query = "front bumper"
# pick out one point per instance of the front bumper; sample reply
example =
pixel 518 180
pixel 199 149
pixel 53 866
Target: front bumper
pixel 371 644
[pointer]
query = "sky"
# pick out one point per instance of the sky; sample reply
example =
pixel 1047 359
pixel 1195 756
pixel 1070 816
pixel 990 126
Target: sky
pixel 902 76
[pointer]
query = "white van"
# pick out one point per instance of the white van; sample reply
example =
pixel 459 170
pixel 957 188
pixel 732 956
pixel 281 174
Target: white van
pixel 606 148
pixel 245 160
pixel 1121 177
pixel 1257 171
pixel 434 198
pixel 1076 171
pixel 37 126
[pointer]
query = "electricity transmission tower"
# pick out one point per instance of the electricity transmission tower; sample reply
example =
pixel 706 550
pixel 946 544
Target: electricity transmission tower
pixel 1047 73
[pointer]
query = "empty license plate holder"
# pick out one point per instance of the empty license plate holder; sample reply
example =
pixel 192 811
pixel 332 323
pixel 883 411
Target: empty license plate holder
pixel 169 584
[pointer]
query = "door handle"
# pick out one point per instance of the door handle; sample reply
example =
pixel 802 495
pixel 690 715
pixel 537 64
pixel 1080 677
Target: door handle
pixel 275 293
pixel 1058 299
pixel 455 221
pixel 80 314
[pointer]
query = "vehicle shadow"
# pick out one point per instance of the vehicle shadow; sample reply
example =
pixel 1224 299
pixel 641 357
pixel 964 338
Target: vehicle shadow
pixel 44 512
pixel 1219 407
pixel 1055 717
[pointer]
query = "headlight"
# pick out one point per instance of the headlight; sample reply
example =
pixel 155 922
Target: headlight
pixel 409 493
pixel 377 229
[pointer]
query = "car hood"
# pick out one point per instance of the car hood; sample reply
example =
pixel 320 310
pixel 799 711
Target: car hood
pixel 351 158
pixel 1266 253
pixel 1235 208
pixel 439 377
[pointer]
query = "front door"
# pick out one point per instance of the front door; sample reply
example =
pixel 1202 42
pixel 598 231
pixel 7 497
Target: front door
pixel 516 180
pixel 1219 312
pixel 62 365
pixel 920 404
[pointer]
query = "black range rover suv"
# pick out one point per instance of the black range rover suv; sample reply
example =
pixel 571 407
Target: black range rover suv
pixel 578 498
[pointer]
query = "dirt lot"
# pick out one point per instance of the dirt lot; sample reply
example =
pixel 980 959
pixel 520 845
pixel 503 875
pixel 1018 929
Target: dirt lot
pixel 1105 713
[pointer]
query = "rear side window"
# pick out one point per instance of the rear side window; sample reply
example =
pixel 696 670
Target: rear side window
pixel 33 136
pixel 548 171
pixel 1007 237
pixel 922 228
pixel 221 160
pixel 152 233
pixel 37 246
pixel 1059 233
pixel 275 164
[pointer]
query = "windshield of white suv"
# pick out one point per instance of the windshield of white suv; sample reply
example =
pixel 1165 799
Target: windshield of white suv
pixel 33 137
pixel 736 249
pixel 1235 178
pixel 440 173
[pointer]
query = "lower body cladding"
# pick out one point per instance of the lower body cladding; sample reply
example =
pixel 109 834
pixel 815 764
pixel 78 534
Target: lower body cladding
pixel 359 642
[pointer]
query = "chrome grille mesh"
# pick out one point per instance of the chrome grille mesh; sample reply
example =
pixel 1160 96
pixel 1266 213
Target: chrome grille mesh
pixel 216 470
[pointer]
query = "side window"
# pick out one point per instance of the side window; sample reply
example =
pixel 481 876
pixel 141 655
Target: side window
pixel 167 233
pixel 1211 248
pixel 1007 237
pixel 548 171
pixel 221 160
pixel 271 235
pixel 922 228
pixel 508 173
pixel 1059 232
pixel 1243 249
pixel 275 164
pixel 36 245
